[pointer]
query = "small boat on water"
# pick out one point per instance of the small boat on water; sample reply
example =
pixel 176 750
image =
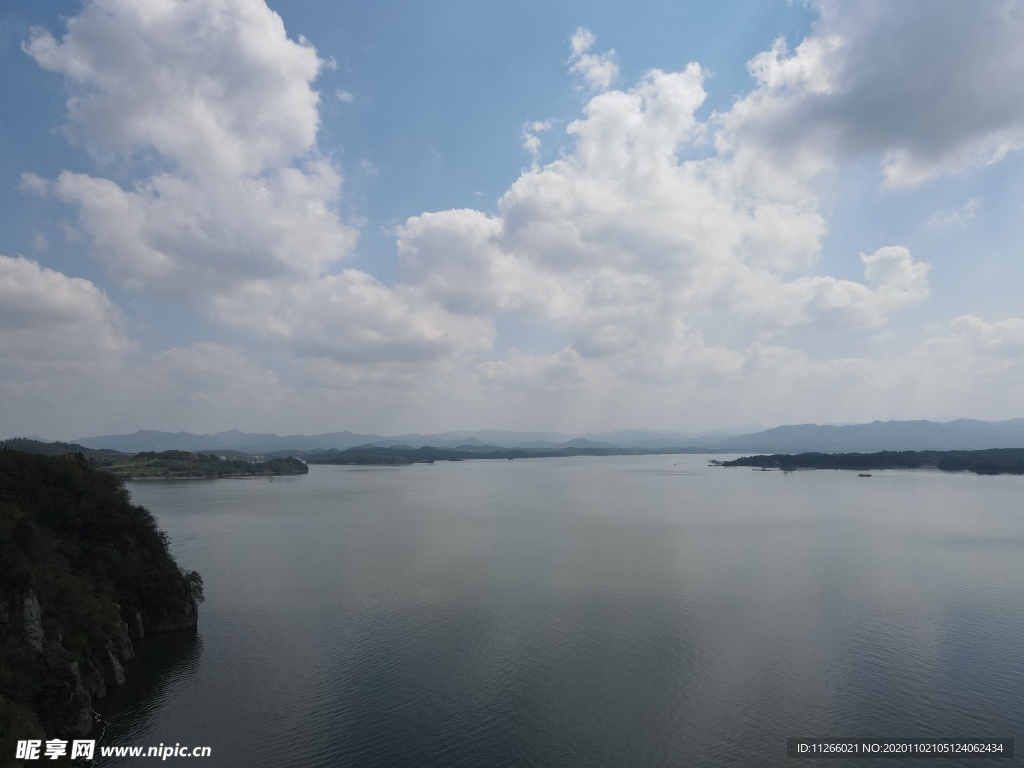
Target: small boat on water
pixel 863 474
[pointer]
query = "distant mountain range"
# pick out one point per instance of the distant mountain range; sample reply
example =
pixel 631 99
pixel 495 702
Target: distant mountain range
pixel 154 440
pixel 960 434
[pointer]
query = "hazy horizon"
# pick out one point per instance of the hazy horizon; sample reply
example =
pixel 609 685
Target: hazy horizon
pixel 624 437
pixel 300 218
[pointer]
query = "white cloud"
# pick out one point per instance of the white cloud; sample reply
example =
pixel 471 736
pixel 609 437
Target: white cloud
pixel 536 374
pixel 51 324
pixel 352 317
pixel 195 241
pixel 531 140
pixel 598 71
pixel 68 370
pixel 344 96
pixel 637 238
pixel 976 369
pixel 955 217
pixel 217 90
pixel 215 86
pixel 927 87
pixel 455 258
pixel 240 218
pixel 620 239
pixel 208 384
pixel 893 278
pixel 34 184
pixel 1001 342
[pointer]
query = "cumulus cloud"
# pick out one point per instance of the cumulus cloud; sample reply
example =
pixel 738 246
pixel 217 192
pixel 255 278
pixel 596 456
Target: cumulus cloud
pixel 352 317
pixel 926 87
pixel 597 70
pixel 240 218
pixel 620 239
pixel 649 224
pixel 215 86
pixel 221 94
pixel 51 323
pixel 173 236
pixel 455 258
pixel 893 280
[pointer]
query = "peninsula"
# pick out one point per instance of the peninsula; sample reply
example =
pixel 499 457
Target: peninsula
pixel 166 465
pixel 183 465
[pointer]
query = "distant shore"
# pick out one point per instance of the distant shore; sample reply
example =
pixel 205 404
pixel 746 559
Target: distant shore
pixel 182 465
pixel 994 461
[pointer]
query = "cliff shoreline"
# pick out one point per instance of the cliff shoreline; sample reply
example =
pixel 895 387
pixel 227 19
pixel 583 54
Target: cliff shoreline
pixel 84 574
pixel 82 679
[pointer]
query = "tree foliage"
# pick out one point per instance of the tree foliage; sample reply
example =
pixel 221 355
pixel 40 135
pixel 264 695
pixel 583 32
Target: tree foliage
pixel 70 533
pixel 994 461
pixel 183 464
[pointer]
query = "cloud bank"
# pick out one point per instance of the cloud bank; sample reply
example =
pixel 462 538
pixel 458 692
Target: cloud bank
pixel 654 226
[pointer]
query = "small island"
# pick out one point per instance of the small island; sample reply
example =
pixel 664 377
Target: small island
pixel 994 461
pixel 84 573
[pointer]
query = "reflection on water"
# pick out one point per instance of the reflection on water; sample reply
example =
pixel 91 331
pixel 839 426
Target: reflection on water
pixel 161 669
pixel 620 611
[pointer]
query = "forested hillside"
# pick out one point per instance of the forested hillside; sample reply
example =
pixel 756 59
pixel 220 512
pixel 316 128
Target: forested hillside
pixel 83 572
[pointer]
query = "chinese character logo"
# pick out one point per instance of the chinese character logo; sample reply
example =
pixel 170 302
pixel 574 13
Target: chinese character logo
pixel 83 748
pixel 28 750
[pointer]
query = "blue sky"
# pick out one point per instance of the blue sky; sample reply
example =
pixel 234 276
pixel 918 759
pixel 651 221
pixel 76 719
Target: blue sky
pixel 305 216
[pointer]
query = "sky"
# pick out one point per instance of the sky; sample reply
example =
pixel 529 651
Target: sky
pixel 304 217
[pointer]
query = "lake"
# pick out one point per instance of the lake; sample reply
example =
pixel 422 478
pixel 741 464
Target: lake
pixel 612 611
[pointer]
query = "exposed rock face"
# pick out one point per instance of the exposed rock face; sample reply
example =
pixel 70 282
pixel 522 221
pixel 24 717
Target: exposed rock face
pixel 32 621
pixel 8 614
pixel 92 680
pixel 75 683
pixel 123 641
pixel 185 615
pixel 70 696
pixel 135 629
pixel 73 714
pixel 113 672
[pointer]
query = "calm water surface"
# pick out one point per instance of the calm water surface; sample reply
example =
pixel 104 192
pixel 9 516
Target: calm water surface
pixel 624 611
